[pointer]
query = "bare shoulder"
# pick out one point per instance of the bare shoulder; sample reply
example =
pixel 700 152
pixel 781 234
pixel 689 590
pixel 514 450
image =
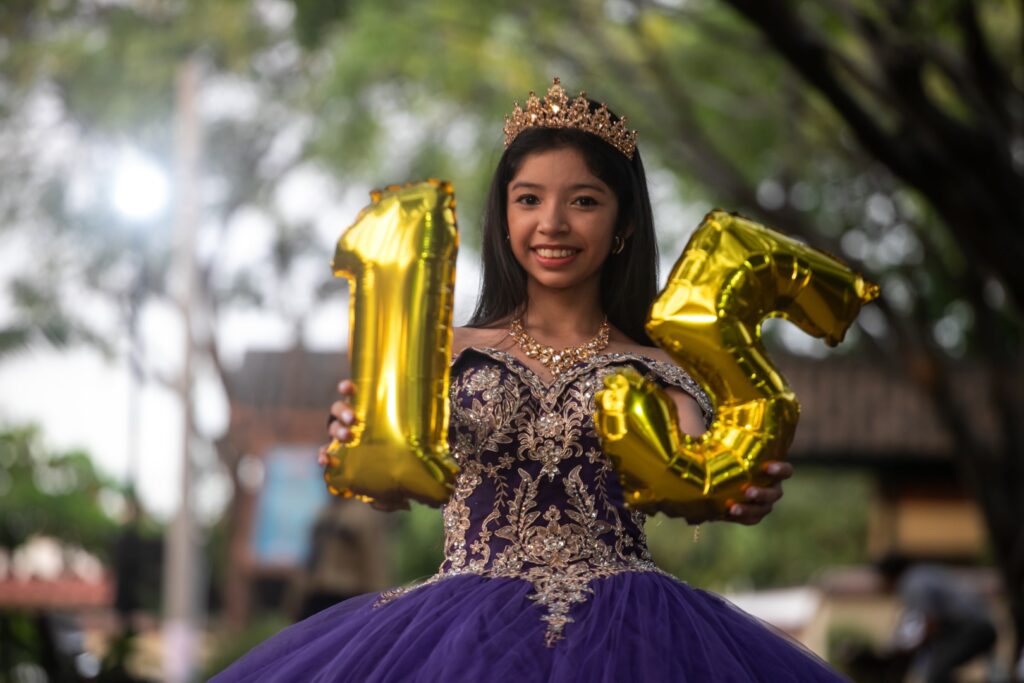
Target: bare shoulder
pixel 620 343
pixel 464 337
pixel 652 352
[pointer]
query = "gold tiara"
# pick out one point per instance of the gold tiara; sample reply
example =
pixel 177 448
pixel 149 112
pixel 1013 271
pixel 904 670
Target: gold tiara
pixel 556 111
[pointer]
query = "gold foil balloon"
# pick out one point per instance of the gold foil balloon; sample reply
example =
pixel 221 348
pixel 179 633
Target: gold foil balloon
pixel 732 275
pixel 399 259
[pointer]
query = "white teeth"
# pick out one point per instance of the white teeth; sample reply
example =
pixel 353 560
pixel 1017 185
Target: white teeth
pixel 555 253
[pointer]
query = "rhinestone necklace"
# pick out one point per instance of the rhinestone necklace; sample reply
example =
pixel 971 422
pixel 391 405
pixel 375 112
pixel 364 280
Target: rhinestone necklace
pixel 558 362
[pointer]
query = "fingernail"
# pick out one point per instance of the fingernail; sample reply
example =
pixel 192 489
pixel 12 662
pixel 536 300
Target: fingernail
pixel 347 417
pixel 750 494
pixel 343 434
pixel 736 510
pixel 774 468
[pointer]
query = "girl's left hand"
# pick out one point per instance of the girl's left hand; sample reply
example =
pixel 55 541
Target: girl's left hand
pixel 760 499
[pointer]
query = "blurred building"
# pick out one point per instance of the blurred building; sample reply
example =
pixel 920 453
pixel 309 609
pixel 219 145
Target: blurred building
pixel 867 417
pixel 280 403
pixel 854 414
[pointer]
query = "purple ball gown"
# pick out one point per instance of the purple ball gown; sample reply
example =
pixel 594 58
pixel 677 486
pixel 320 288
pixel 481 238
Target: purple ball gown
pixel 546 576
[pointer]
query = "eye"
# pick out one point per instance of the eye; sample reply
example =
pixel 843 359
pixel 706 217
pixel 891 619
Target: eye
pixel 585 200
pixel 527 199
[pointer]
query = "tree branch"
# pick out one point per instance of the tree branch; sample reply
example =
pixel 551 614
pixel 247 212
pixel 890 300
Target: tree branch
pixel 806 52
pixel 993 85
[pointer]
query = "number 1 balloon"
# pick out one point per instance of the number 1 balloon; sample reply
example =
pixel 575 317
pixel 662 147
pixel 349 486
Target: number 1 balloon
pixel 732 275
pixel 399 259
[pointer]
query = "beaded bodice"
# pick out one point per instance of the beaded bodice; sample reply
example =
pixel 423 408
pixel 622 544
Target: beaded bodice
pixel 536 498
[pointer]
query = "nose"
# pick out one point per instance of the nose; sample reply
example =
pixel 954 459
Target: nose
pixel 552 220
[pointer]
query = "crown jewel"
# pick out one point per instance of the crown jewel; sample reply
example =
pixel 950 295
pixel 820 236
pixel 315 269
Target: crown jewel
pixel 557 111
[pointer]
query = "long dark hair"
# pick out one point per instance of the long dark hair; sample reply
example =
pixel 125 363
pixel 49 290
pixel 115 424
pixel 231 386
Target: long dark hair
pixel 629 280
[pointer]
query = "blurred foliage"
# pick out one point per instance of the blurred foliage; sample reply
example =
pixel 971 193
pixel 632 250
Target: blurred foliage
pixel 419 543
pixel 47 646
pixel 53 494
pixel 23 646
pixel 821 522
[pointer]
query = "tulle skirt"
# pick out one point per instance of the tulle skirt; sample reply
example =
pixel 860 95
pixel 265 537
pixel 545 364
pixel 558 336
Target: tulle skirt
pixel 637 626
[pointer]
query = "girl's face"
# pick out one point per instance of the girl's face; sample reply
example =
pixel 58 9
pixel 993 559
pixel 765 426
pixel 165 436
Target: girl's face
pixel 561 219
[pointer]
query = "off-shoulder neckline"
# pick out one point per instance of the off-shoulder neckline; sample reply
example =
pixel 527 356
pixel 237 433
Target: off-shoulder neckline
pixel 597 358
pixel 531 377
pixel 668 371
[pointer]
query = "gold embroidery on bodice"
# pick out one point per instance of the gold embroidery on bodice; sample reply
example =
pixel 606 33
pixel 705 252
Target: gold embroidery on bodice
pixel 536 499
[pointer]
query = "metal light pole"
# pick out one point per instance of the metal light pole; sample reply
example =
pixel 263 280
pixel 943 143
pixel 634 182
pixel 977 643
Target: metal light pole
pixel 181 576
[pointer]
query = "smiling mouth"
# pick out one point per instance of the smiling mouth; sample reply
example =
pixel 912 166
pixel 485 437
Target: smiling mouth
pixel 548 252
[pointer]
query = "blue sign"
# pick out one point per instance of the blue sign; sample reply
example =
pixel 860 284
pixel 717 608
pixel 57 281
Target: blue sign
pixel 293 493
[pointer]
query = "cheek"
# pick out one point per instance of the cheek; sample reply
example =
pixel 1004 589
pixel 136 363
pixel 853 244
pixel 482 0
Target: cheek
pixel 517 241
pixel 514 227
pixel 604 231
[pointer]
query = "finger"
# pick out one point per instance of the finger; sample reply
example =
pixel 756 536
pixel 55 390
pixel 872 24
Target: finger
pixel 321 456
pixel 346 387
pixel 778 470
pixel 343 413
pixel 341 433
pixel 389 506
pixel 763 494
pixel 748 513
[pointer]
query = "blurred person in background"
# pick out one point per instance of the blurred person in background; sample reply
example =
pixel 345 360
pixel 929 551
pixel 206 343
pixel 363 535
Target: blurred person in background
pixel 945 622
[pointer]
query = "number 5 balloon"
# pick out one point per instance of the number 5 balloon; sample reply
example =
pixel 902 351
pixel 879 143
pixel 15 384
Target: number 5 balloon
pixel 732 275
pixel 399 259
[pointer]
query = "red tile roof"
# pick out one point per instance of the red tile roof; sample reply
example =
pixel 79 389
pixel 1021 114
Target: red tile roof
pixel 65 593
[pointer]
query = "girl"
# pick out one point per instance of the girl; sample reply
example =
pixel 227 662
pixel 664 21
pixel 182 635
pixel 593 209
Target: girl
pixel 546 575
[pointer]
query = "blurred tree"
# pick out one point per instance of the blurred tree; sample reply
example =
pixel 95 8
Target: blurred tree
pixel 419 549
pixel 823 523
pixel 53 494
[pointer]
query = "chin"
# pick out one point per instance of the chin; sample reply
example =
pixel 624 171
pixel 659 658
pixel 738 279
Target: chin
pixel 561 283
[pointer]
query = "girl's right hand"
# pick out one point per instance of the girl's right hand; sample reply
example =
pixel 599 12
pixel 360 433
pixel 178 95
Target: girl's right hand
pixel 342 419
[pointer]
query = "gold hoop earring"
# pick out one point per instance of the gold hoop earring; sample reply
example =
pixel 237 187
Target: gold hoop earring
pixel 618 244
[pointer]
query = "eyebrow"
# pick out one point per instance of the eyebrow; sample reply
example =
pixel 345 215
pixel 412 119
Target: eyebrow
pixel 522 184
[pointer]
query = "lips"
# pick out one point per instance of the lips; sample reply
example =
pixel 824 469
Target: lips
pixel 554 256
